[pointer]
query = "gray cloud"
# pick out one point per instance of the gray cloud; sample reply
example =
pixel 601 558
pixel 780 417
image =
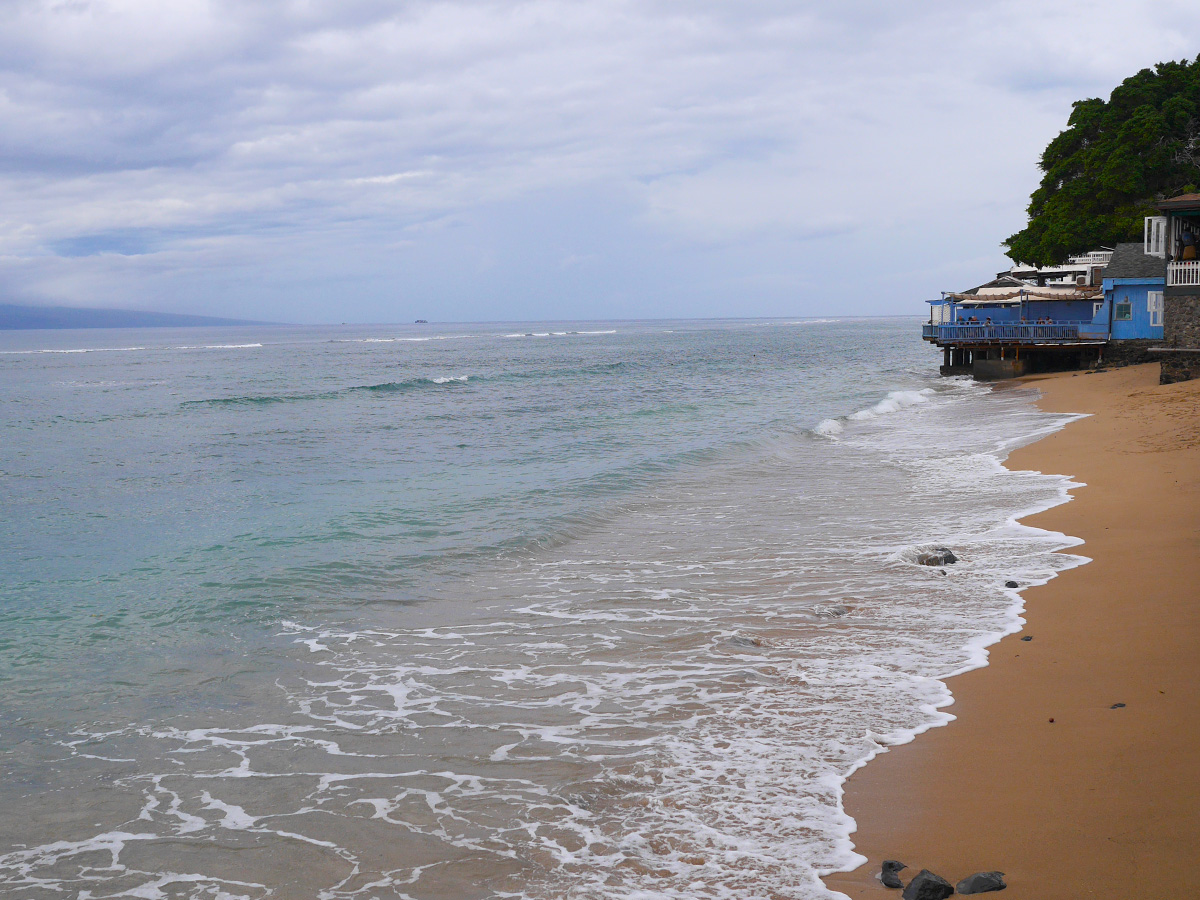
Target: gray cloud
pixel 310 160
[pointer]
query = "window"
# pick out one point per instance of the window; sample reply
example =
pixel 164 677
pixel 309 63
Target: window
pixel 1154 304
pixel 1154 237
pixel 1096 307
pixel 1124 311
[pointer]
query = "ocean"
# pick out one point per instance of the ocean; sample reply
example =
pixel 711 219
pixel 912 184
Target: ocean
pixel 578 610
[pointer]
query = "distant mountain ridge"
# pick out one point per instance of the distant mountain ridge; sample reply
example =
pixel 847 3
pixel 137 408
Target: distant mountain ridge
pixel 14 317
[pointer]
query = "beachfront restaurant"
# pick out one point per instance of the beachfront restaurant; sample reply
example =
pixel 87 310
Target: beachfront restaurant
pixel 1008 327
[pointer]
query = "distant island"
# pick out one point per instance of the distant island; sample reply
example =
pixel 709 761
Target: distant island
pixel 14 317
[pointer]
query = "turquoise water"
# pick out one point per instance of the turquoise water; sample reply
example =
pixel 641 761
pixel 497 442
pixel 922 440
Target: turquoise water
pixel 602 609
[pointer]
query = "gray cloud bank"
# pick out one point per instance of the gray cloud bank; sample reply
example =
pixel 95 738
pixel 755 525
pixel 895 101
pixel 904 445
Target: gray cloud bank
pixel 359 160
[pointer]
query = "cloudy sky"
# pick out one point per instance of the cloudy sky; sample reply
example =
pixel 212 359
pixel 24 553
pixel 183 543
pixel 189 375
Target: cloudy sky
pixel 384 160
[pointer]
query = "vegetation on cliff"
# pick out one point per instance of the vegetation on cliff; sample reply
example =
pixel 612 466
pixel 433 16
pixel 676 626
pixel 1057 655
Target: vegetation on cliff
pixel 1114 159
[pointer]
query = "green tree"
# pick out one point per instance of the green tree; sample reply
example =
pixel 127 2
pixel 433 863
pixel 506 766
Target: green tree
pixel 1113 161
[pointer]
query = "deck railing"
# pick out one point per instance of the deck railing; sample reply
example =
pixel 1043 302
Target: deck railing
pixel 1096 257
pixel 1019 333
pixel 1183 272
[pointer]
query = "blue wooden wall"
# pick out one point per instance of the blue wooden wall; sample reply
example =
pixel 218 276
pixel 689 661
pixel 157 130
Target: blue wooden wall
pixel 1132 291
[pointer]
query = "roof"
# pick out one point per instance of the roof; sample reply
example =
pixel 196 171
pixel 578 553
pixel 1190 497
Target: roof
pixel 1130 261
pixel 999 296
pixel 1007 282
pixel 1006 290
pixel 1182 202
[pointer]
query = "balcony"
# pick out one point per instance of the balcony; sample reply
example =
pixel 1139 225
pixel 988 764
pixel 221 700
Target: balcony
pixel 1184 272
pixel 1014 333
pixel 1095 258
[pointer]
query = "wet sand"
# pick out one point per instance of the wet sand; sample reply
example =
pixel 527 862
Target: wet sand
pixel 1039 776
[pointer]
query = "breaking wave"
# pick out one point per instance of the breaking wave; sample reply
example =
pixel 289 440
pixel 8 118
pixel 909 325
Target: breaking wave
pixel 407 386
pixel 387 387
pixel 522 334
pixel 219 347
pixel 893 402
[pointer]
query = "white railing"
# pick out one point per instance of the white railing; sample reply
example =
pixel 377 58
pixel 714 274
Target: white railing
pixel 1183 272
pixel 1095 258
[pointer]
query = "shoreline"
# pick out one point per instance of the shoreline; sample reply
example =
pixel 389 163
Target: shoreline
pixel 1101 801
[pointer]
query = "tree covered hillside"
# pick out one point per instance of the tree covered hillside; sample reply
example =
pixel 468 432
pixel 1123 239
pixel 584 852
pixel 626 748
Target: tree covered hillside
pixel 1114 159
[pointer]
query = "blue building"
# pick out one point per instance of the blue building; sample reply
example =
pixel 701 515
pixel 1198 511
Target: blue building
pixel 1134 283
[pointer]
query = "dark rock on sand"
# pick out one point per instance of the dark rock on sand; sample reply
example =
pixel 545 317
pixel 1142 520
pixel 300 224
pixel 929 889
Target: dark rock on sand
pixel 1027 637
pixel 927 886
pixel 1011 584
pixel 982 883
pixel 1117 706
pixel 890 874
pixel 938 556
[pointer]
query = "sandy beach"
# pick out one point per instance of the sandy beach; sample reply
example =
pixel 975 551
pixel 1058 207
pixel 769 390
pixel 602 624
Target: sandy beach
pixel 1040 776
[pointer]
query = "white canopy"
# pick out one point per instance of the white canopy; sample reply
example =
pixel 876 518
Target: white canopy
pixel 1009 297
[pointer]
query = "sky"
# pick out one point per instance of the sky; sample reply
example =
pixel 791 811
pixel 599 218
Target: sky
pixel 479 160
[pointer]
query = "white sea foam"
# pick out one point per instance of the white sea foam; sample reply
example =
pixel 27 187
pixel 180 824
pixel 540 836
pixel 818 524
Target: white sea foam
pixel 400 340
pixel 447 379
pixel 234 817
pixel 524 334
pixel 893 402
pixel 896 400
pixel 220 347
pixel 74 350
pixel 128 349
